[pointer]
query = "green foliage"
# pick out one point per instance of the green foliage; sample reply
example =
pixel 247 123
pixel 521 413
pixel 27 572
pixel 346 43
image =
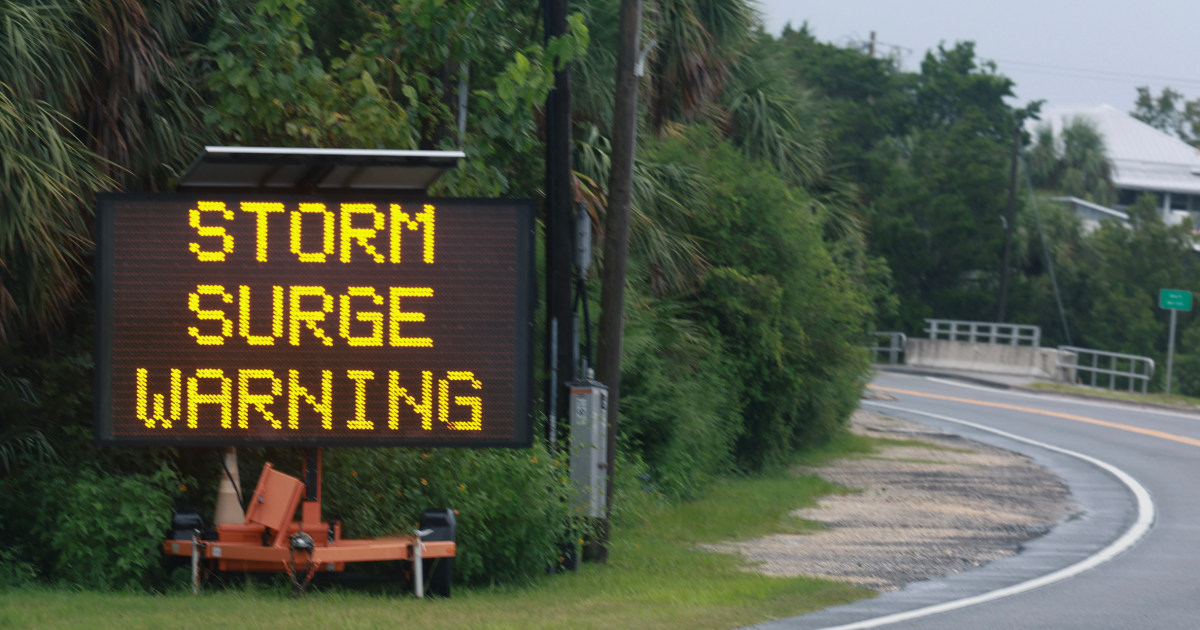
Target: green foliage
pixel 786 316
pixel 268 87
pixel 775 121
pixel 1185 378
pixel 928 155
pixel 45 403
pixel 55 473
pixel 936 216
pixel 677 407
pixel 1169 112
pixel 502 128
pixel 511 504
pixel 1108 283
pixel 89 101
pixel 865 97
pixel 388 78
pixel 107 531
pixel 698 41
pixel 1131 265
pixel 15 571
pixel 77 525
pixel 655 578
pixel 1032 296
pixel 670 260
pixel 46 178
pixel 1075 163
pixel 737 366
pixel 1087 172
pixel 953 85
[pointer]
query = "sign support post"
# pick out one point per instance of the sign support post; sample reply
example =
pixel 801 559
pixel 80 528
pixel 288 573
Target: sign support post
pixel 1171 350
pixel 1173 300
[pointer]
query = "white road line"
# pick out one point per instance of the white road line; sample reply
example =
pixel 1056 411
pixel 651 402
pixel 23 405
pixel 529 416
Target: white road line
pixel 1145 518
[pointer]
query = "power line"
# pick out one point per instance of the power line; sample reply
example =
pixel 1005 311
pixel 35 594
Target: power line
pixel 1112 76
pixel 1103 75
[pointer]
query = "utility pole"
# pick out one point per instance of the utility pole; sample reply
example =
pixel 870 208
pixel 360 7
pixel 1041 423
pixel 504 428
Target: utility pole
pixel 1010 221
pixel 560 225
pixel 616 247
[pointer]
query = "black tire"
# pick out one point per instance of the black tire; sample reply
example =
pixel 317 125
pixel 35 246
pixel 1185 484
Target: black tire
pixel 438 572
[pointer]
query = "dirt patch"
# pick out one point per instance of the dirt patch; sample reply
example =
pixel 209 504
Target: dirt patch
pixel 920 511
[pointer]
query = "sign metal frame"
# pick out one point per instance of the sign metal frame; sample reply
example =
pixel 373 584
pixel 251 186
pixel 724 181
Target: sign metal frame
pixel 517 395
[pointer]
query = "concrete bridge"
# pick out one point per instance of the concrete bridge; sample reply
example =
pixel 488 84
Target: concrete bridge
pixel 1014 350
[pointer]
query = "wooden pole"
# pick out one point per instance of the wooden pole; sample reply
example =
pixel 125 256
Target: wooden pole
pixel 616 248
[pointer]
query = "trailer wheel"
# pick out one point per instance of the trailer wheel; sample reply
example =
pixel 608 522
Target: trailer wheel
pixel 439 572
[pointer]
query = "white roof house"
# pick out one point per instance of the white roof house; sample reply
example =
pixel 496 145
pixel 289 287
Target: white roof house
pixel 1144 159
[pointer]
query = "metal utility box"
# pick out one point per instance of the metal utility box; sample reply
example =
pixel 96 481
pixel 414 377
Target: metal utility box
pixel 589 447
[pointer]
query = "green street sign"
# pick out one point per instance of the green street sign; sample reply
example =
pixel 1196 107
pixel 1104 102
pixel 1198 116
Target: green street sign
pixel 1175 300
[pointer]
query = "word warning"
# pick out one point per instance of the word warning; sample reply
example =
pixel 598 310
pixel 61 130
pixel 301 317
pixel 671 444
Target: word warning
pixel 313 321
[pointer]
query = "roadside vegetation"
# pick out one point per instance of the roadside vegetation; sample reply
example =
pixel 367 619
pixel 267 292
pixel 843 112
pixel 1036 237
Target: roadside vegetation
pixel 790 196
pixel 657 577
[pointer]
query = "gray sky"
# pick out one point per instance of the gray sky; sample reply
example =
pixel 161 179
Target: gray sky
pixel 1067 53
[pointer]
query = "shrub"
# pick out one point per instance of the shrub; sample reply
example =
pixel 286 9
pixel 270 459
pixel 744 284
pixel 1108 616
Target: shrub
pixel 511 504
pixel 15 570
pixel 108 531
pixel 788 316
pixel 677 408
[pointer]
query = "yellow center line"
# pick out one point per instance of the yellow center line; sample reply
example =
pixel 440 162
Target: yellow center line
pixel 1055 414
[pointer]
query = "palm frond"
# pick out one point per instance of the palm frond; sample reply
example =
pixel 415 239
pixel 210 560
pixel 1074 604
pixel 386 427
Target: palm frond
pixel 689 67
pixel 44 181
pixel 661 194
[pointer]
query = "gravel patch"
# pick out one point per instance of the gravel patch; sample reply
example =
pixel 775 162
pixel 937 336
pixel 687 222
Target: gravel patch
pixel 919 511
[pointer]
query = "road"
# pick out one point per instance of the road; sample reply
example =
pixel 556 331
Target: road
pixel 1130 559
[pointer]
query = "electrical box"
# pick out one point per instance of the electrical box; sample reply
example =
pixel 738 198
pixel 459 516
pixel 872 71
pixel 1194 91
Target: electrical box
pixel 589 447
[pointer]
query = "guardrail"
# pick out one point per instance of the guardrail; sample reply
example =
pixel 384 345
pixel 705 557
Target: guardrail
pixel 1129 368
pixel 984 332
pixel 894 347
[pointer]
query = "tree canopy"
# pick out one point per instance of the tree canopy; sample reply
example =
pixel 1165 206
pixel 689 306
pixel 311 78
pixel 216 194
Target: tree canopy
pixel 789 197
pixel 1171 112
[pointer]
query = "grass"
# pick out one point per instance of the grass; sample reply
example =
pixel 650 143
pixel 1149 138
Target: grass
pixel 1173 400
pixel 656 577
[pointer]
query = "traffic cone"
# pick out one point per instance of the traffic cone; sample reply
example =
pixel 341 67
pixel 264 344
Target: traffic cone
pixel 229 507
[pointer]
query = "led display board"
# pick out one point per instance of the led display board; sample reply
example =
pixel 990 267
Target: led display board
pixel 313 321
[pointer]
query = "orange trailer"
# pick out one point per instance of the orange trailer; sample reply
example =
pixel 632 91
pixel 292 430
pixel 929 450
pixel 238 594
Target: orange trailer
pixel 271 539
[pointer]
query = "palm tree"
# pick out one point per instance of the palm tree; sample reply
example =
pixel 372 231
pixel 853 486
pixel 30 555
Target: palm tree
pixel 773 119
pixel 697 42
pixel 48 170
pixel 92 96
pixel 1042 159
pixel 1074 163
pixel 1087 171
pixel 660 209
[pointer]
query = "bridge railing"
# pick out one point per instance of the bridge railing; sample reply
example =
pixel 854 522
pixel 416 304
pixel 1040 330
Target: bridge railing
pixel 1098 368
pixel 984 332
pixel 890 344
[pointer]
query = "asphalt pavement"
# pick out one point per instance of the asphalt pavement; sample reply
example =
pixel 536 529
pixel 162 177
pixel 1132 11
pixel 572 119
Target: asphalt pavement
pixel 1107 511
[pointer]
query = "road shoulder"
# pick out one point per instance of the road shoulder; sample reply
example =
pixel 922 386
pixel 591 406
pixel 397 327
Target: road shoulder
pixel 1105 512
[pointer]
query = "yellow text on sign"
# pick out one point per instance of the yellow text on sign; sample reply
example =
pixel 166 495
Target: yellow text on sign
pixel 280 398
pixel 296 315
pixel 316 233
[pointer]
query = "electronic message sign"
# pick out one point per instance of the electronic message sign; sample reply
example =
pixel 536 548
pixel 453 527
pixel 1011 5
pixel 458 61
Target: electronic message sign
pixel 313 320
